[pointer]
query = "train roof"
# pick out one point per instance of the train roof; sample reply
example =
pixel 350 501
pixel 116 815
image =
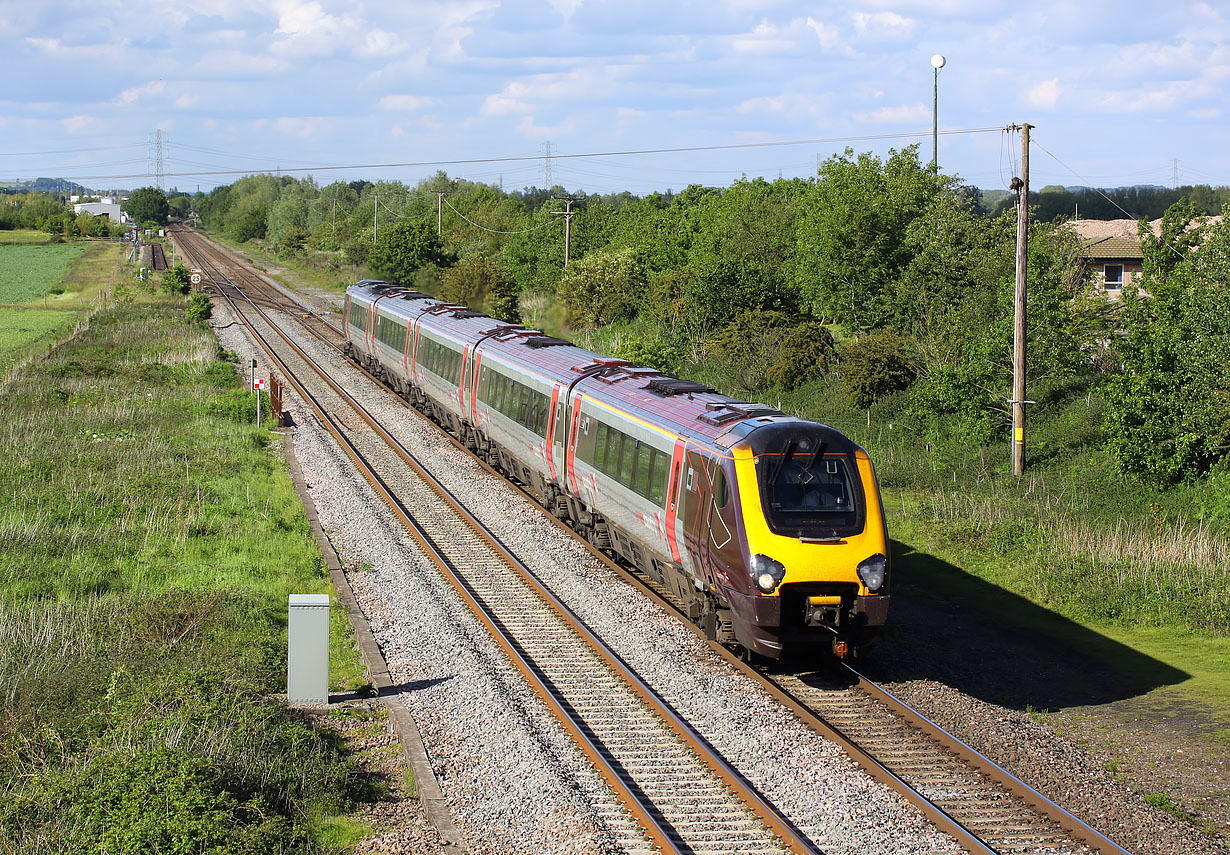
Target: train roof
pixel 685 407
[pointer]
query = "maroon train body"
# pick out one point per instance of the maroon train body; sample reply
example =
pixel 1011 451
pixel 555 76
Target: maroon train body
pixel 768 530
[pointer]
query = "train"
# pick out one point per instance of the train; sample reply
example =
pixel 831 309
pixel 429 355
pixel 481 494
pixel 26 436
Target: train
pixel 766 530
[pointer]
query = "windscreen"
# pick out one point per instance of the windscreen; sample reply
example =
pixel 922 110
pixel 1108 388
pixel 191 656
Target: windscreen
pixel 809 488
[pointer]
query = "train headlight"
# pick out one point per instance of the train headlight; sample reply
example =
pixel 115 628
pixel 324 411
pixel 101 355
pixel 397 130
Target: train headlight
pixel 872 571
pixel 767 573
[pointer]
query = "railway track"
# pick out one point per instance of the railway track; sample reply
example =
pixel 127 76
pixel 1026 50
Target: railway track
pixel 683 795
pixel 983 806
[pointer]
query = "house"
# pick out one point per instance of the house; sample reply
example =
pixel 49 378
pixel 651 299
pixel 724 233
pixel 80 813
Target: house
pixel 1112 249
pixel 107 207
pixel 1116 261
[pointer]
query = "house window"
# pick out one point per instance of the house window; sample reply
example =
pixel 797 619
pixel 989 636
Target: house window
pixel 1113 276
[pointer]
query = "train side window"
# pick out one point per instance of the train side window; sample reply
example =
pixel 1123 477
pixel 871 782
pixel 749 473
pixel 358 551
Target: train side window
pixel 721 490
pixel 523 406
pixel 627 461
pixel 544 410
pixel 600 448
pixel 657 477
pixel 501 387
pixel 644 470
pixel 616 443
pixel 614 449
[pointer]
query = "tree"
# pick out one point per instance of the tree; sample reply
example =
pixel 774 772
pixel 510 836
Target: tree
pixel 474 282
pixel 199 309
pixel 176 280
pixel 808 352
pixel 750 346
pixel 403 248
pixel 147 205
pixel 877 365
pixel 602 288
pixel 851 236
pixel 1168 412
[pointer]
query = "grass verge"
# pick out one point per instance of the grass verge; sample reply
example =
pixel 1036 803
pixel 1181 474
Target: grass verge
pixel 149 537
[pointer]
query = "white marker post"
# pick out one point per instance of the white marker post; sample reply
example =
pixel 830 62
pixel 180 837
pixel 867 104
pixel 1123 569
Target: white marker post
pixel 257 385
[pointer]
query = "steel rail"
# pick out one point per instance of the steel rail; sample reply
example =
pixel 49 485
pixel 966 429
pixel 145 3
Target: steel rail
pixel 967 838
pixel 281 300
pixel 696 743
pixel 1055 812
pixel 656 834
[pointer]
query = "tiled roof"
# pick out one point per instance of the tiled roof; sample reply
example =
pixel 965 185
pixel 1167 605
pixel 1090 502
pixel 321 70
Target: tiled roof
pixel 1095 229
pixel 1114 247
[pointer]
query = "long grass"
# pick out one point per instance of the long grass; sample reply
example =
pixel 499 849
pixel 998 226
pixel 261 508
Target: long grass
pixel 1156 573
pixel 148 539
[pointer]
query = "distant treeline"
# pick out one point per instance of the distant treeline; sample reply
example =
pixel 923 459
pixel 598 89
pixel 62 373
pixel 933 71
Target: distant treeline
pixel 1140 202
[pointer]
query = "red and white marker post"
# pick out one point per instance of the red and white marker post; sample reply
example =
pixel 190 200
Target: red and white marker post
pixel 258 383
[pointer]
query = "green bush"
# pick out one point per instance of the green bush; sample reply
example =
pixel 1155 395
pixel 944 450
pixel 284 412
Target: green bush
pixel 878 365
pixel 200 309
pixel 176 280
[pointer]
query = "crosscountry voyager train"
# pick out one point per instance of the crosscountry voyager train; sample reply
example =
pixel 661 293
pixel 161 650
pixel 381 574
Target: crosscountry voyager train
pixel 767 530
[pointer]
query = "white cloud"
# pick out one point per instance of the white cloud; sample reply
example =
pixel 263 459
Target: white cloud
pixel 765 39
pixel 1045 95
pixel 78 124
pixel 142 93
pixel 403 103
pixel 764 104
pixel 884 24
pixel 298 126
pixel 826 33
pixel 380 43
pixel 578 86
pixel 307 30
pixel 912 114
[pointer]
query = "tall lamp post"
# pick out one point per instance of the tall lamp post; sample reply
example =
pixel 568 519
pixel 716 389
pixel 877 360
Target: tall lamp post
pixel 937 62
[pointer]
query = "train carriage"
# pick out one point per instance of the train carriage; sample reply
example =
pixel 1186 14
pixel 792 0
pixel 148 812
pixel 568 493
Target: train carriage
pixel 768 530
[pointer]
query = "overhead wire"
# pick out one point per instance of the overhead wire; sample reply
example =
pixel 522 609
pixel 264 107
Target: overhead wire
pixel 523 158
pixel 1098 190
pixel 494 231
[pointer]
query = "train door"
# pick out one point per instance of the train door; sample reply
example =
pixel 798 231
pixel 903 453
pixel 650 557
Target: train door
pixel 722 524
pixel 692 509
pixel 463 382
pixel 555 435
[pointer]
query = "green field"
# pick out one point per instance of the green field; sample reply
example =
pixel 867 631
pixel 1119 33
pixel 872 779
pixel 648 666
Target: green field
pixel 45 289
pixel 24 236
pixel 149 536
pixel 27 272
pixel 20 328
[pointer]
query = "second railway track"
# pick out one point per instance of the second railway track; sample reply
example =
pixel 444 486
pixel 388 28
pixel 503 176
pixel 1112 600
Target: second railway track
pixel 989 813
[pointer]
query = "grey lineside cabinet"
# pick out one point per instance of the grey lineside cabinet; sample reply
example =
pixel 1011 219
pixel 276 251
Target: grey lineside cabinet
pixel 307 649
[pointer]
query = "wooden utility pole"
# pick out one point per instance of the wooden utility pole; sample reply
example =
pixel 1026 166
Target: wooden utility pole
pixel 567 215
pixel 1018 326
pixel 439 213
pixel 375 211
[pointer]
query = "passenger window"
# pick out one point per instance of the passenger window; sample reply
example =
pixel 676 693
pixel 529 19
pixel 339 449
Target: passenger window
pixel 721 490
pixel 644 466
pixel 657 477
pixel 600 449
pixel 627 461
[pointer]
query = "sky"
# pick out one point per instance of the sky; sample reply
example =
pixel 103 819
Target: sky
pixel 628 95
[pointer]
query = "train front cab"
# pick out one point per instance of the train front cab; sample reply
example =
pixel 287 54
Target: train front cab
pixel 814 541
